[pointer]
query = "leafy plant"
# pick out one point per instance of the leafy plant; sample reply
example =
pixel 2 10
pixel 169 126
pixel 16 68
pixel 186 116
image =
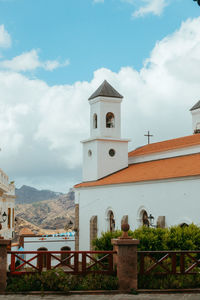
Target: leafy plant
pixel 156 239
pixel 58 280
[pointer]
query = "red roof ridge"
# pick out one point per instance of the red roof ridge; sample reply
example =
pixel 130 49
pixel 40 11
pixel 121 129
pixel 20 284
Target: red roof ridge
pixel 170 144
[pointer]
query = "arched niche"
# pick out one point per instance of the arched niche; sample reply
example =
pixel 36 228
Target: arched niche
pixel 182 225
pixel 110 120
pixel 143 218
pixel 111 221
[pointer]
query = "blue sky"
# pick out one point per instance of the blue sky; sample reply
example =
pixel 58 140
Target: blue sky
pixel 90 35
pixel 54 54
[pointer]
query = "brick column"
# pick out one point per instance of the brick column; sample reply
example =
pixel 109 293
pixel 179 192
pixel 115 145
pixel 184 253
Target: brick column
pixel 126 260
pixel 3 263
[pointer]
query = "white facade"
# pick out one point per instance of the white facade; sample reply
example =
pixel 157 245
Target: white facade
pixel 7 205
pixel 177 199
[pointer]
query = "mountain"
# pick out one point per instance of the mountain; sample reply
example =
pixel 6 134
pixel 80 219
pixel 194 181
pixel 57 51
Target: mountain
pixel 27 194
pixel 52 214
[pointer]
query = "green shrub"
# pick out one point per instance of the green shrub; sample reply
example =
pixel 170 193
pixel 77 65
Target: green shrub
pixel 168 281
pixel 58 280
pixel 152 239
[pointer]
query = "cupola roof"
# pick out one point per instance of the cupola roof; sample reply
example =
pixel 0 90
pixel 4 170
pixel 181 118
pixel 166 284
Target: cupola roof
pixel 196 106
pixel 105 90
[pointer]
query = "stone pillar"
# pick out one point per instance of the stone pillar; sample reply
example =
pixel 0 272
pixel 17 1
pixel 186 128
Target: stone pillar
pixel 93 231
pixel 161 222
pixel 77 227
pixel 126 260
pixel 3 263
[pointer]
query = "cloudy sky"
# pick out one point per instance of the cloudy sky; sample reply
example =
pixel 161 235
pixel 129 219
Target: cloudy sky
pixel 54 54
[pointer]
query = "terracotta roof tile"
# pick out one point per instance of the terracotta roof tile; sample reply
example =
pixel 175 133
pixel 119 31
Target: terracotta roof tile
pixel 175 167
pixel 26 231
pixel 182 142
pixel 14 244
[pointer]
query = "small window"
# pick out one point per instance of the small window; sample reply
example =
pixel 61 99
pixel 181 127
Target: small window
pixel 110 120
pixel 89 153
pixel 145 220
pixel 112 152
pixel 95 121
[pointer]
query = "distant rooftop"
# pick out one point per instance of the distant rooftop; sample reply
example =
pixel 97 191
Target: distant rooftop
pixel 26 231
pixel 196 106
pixel 105 90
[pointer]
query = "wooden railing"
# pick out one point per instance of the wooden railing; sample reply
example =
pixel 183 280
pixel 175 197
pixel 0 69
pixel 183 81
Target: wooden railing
pixel 74 262
pixel 168 262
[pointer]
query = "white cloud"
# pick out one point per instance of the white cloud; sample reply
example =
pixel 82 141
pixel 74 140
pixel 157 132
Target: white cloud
pixel 155 7
pixel 50 65
pixel 29 61
pixel 5 39
pixel 41 126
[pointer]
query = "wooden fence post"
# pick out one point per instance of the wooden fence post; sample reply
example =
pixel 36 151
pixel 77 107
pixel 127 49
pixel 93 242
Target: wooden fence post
pixel 3 263
pixel 126 261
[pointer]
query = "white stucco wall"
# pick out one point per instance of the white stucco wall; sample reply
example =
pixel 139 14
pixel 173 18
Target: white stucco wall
pixel 5 203
pixel 50 243
pixel 176 199
pixel 100 163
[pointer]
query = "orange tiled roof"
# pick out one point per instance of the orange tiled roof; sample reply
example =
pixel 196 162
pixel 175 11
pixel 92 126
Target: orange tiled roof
pixel 14 244
pixel 181 142
pixel 175 167
pixel 26 231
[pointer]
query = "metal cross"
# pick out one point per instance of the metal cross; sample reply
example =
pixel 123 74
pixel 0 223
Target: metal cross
pixel 148 135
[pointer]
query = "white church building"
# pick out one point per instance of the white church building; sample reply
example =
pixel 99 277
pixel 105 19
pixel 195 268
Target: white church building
pixel 154 185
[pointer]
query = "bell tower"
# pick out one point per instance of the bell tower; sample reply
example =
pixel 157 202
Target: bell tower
pixel 105 152
pixel 195 111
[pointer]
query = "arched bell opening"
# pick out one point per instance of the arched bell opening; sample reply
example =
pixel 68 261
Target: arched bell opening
pixel 110 120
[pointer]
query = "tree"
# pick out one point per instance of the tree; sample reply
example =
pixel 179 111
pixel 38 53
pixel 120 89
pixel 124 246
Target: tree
pixel 198 1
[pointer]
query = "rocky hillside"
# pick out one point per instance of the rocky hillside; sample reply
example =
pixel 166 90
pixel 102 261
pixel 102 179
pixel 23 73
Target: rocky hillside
pixel 51 214
pixel 28 194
